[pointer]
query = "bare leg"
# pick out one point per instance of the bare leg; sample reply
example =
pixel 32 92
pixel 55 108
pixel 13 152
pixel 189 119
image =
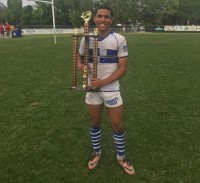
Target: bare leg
pixel 115 116
pixel 95 112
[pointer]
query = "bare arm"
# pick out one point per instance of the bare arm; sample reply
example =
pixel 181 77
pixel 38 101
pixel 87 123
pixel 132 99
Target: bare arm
pixel 80 64
pixel 121 71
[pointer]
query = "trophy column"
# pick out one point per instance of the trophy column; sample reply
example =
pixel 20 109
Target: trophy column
pixel 75 52
pixel 86 56
pixel 95 53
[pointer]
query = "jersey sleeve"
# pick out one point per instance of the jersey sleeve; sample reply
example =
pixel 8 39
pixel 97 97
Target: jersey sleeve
pixel 123 48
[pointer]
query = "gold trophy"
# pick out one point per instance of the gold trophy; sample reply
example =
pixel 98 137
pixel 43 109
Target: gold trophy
pixel 86 17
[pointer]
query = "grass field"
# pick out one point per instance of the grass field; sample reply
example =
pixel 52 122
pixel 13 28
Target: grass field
pixel 44 128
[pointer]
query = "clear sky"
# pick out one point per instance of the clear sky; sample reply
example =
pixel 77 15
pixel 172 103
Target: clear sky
pixel 24 2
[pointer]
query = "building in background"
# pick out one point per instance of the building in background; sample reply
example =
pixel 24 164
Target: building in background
pixel 3 10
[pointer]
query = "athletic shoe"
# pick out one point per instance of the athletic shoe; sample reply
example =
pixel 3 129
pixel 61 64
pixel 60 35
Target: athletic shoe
pixel 126 165
pixel 93 162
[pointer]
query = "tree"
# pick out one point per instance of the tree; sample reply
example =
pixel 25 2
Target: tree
pixel 188 12
pixel 153 11
pixel 130 13
pixel 61 11
pixel 166 7
pixel 77 7
pixel 43 14
pixel 27 15
pixel 68 12
pixel 15 11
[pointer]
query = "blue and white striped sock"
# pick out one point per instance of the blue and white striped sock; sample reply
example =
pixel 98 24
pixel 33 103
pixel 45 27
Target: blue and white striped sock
pixel 95 134
pixel 119 140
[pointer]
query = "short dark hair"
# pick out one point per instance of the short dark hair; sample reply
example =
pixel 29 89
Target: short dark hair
pixel 104 7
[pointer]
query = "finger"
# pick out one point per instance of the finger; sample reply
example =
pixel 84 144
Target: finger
pixel 94 79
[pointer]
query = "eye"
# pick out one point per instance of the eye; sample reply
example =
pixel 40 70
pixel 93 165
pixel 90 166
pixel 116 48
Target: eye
pixel 99 16
pixel 107 16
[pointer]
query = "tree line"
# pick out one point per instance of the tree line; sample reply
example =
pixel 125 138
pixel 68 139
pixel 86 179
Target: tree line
pixel 127 12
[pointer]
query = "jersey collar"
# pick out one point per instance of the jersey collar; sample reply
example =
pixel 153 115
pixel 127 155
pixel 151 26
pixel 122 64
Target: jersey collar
pixel 101 38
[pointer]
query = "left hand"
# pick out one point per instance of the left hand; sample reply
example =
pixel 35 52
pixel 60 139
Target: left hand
pixel 97 83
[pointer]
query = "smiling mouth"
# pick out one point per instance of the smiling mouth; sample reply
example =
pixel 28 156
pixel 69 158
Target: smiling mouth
pixel 102 25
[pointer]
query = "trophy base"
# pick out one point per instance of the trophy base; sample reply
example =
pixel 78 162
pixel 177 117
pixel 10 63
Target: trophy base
pixel 87 89
pixel 76 88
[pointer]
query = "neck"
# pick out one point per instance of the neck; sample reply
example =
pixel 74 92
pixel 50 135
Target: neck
pixel 104 33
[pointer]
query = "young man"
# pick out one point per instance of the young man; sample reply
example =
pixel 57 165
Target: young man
pixel 112 65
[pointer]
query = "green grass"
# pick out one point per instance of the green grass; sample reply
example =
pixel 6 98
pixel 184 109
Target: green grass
pixel 44 128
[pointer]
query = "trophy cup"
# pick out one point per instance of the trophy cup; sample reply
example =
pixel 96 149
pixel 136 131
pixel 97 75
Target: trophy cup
pixel 86 17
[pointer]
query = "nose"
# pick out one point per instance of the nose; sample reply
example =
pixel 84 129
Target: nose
pixel 103 18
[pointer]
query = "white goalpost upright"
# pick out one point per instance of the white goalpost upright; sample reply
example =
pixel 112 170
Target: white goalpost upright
pixel 53 15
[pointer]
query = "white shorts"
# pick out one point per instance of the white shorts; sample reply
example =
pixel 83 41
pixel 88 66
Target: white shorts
pixel 109 99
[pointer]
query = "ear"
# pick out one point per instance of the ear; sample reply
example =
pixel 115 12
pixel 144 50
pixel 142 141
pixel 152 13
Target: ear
pixel 112 19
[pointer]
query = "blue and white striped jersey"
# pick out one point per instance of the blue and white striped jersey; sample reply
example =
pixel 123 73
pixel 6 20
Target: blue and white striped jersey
pixel 110 48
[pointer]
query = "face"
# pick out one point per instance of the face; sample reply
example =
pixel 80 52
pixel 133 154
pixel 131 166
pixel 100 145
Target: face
pixel 103 20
